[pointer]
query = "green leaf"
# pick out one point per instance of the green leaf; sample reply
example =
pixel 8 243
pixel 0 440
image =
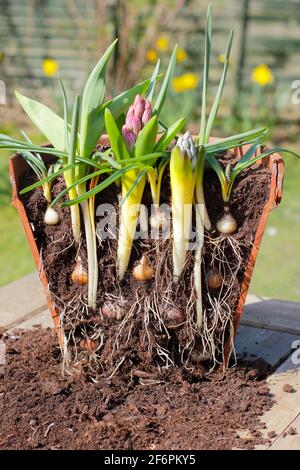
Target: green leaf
pixel 74 131
pixel 117 106
pixel 236 140
pixel 48 179
pixel 249 154
pixel 139 177
pixel 150 91
pixel 108 159
pixel 238 168
pixel 165 85
pixel 117 143
pixel 34 163
pixel 32 148
pixel 66 128
pixel 146 138
pixel 215 106
pixel 169 135
pixel 78 182
pixel 92 98
pixel 216 166
pixel 70 175
pixel 208 30
pixel 100 187
pixel 30 142
pixel 49 123
pixel 144 158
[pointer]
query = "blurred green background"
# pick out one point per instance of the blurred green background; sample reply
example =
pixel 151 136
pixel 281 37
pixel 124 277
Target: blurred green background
pixel 41 39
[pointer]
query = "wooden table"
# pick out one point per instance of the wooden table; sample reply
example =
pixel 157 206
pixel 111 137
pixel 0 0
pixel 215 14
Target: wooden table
pixel 269 330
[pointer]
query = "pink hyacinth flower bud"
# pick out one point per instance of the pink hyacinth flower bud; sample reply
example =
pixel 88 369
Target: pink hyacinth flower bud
pixel 139 106
pixel 128 136
pixel 132 121
pixel 147 113
pixel 135 125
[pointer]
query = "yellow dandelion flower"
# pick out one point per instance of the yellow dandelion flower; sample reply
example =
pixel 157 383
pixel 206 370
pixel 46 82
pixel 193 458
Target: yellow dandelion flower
pixel 162 43
pixel 185 82
pixel 50 67
pixel 262 75
pixel 181 55
pixel 152 56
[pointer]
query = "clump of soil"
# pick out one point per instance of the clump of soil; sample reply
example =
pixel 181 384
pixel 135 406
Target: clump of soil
pixel 42 409
pixel 139 334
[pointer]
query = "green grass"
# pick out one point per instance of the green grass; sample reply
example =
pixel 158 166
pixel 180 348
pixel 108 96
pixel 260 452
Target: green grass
pixel 277 272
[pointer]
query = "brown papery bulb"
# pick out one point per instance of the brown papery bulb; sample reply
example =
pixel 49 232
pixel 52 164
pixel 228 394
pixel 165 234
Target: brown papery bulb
pixel 113 311
pixel 89 344
pixel 214 279
pixel 79 275
pixel 143 271
pixel 174 318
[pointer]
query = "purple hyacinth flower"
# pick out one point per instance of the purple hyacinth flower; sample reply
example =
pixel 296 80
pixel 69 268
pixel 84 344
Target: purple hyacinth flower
pixel 128 136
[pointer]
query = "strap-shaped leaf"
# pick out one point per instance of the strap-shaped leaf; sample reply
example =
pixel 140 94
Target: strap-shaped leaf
pixel 166 82
pixel 169 135
pixel 249 154
pixel 74 131
pixel 117 143
pixel 48 179
pixel 84 179
pixel 207 48
pixel 150 91
pixel 117 106
pixel 139 177
pixel 100 187
pixel 215 106
pixel 48 122
pixel 215 165
pixel 236 140
pixel 146 139
pixel 65 102
pixel 92 99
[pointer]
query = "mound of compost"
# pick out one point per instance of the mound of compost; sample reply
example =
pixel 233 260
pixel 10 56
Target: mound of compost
pixel 137 329
pixel 42 409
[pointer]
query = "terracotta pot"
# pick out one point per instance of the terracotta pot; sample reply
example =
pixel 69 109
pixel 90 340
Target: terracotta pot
pixel 17 167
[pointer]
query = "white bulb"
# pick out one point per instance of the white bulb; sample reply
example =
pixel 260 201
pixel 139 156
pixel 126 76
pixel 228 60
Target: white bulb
pixel 227 224
pixel 51 216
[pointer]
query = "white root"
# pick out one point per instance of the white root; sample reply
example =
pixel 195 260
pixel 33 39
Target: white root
pixel 218 317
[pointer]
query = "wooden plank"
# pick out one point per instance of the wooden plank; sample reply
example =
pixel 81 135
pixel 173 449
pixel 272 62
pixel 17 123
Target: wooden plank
pixel 273 346
pixel 21 300
pixel 274 314
pixel 43 319
pixel 287 407
pixel 289 442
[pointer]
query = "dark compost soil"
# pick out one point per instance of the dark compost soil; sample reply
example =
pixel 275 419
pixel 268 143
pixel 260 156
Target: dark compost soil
pixel 42 409
pixel 139 339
